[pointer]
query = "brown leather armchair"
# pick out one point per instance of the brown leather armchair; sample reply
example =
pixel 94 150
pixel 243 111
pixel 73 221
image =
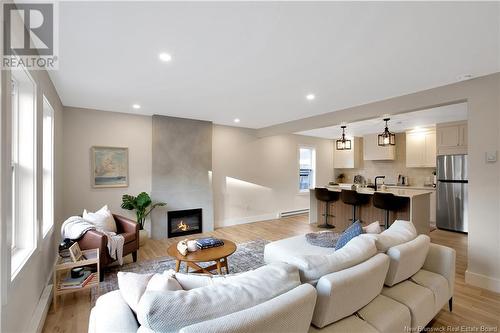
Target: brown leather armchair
pixel 94 239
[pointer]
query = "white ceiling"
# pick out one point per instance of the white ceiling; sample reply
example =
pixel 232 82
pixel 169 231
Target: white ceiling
pixel 256 61
pixel 398 123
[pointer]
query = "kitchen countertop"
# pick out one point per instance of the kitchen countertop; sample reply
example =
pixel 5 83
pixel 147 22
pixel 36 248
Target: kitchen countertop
pixel 416 207
pixel 411 187
pixel 406 192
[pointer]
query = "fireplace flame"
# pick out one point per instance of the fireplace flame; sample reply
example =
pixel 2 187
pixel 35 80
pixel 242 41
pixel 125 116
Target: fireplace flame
pixel 182 226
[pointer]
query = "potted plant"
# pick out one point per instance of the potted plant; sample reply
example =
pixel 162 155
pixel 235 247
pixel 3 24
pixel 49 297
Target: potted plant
pixel 143 206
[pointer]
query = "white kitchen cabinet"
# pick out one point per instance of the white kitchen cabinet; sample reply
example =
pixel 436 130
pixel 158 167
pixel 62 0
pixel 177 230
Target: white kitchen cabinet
pixel 349 159
pixel 430 149
pixel 452 138
pixel 463 136
pixel 421 149
pixel 373 152
pixel 432 216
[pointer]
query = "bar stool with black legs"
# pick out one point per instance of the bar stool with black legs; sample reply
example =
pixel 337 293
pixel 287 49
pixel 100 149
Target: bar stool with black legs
pixel 388 202
pixel 355 199
pixel 328 197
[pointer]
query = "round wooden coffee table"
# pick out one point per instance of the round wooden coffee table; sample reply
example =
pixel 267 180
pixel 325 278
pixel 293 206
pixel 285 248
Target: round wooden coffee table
pixel 218 254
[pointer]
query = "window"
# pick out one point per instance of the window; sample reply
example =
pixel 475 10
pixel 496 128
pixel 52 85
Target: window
pixel 48 167
pixel 23 162
pixel 307 168
pixel 14 158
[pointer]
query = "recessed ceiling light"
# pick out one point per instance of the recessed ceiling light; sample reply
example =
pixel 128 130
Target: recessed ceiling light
pixel 236 120
pixel 165 57
pixel 136 106
pixel 310 97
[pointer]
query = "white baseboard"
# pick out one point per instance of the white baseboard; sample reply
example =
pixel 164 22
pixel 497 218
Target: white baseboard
pixel 294 212
pixel 248 219
pixel 43 306
pixel 482 281
pixel 38 319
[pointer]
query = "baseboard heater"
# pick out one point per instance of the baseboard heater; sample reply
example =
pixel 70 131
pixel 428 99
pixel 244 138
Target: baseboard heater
pixel 294 212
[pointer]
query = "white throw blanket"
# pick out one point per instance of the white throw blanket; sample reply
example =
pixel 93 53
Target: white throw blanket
pixel 75 226
pixel 115 245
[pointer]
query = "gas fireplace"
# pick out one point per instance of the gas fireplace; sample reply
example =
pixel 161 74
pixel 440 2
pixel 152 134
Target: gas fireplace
pixel 184 222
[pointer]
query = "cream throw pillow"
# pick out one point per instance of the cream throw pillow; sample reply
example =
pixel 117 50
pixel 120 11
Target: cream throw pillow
pixel 134 285
pixel 372 228
pixel 407 259
pixel 102 219
pixel 398 233
pixel 164 282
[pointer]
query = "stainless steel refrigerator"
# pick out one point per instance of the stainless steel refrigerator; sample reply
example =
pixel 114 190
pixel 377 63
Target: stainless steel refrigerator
pixel 452 193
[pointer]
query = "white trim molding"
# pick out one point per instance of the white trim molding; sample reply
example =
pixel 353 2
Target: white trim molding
pixel 38 319
pixel 482 281
pixel 248 219
pixel 294 212
pixel 43 306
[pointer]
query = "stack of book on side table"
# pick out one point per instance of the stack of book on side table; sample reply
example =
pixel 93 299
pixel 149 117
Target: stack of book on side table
pixel 76 283
pixel 206 243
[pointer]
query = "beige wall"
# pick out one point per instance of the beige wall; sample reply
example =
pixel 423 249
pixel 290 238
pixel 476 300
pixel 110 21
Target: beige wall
pixel 84 128
pixel 484 178
pixel 257 178
pixel 390 169
pixel 252 178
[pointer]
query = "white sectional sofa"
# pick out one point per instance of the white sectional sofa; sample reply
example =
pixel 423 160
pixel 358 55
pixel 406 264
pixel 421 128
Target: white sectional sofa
pixel 402 285
pixel 394 281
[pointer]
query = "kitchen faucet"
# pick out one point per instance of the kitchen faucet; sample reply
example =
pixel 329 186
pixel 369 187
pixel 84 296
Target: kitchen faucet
pixel 376 178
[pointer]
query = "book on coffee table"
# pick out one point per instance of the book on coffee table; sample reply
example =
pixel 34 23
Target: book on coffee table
pixel 206 243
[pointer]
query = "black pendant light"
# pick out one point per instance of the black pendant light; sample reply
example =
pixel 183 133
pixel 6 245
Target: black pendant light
pixel 387 138
pixel 343 143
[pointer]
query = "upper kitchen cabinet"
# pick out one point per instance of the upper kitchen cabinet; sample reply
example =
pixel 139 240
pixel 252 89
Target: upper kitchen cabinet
pixel 349 159
pixel 421 149
pixel 452 138
pixel 373 152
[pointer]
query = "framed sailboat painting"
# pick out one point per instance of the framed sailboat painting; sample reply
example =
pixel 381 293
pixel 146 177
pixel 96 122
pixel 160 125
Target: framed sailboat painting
pixel 109 167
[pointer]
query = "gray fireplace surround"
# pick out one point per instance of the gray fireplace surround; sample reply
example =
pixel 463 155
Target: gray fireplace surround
pixel 181 171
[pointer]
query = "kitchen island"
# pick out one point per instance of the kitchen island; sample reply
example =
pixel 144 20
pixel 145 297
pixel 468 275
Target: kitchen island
pixel 416 209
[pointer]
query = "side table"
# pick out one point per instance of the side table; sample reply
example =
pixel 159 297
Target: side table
pixel 64 265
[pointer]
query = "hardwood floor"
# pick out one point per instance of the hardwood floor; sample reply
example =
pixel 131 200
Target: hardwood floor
pixel 472 307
